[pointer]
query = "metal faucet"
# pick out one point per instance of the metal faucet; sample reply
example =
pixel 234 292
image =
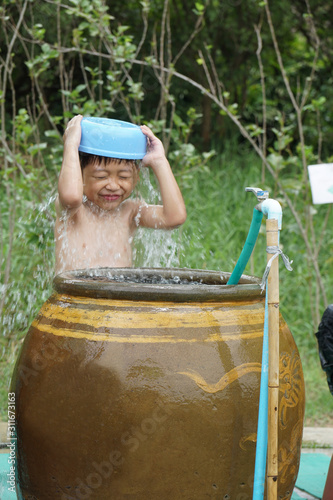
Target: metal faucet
pixel 259 193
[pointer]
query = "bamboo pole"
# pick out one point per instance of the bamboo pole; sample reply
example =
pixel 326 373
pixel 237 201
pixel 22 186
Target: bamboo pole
pixel 272 235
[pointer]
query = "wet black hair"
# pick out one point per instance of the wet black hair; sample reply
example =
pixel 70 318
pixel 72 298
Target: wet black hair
pixel 87 159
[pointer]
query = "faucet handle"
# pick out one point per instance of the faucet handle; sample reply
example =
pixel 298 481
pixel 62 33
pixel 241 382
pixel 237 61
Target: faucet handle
pixel 259 193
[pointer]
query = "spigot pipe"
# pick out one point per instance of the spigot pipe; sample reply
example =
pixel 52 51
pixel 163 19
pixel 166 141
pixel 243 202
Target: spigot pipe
pixel 272 209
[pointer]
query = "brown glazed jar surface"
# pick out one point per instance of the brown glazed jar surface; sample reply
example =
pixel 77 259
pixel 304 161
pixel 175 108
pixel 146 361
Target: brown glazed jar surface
pixel 150 391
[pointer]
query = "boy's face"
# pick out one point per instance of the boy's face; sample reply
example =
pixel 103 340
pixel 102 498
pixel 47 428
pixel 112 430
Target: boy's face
pixel 107 186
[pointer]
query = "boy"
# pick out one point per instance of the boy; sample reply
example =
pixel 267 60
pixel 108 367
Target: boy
pixel 96 220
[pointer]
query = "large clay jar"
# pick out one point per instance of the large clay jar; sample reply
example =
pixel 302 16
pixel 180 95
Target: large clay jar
pixel 150 391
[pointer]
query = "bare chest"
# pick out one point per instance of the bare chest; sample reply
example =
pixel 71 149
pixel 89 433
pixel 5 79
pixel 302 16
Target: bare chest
pixel 88 242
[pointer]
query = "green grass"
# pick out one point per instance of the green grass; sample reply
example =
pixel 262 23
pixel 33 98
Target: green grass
pixel 219 216
pixel 313 445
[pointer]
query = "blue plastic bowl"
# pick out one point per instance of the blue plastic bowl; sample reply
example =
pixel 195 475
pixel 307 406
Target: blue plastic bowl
pixel 112 138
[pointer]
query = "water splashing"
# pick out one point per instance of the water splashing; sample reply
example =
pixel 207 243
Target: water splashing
pixel 31 282
pixel 32 268
pixel 154 247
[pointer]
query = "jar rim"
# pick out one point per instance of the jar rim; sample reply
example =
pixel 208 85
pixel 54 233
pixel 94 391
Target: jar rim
pixel 187 285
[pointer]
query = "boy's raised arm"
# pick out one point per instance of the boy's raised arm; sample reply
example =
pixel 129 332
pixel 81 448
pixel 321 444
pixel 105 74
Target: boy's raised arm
pixel 173 212
pixel 70 185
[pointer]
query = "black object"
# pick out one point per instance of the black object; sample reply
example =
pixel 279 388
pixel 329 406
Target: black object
pixel 325 344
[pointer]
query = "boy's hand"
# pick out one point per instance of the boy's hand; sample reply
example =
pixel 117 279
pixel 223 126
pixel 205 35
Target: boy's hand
pixel 72 133
pixel 155 150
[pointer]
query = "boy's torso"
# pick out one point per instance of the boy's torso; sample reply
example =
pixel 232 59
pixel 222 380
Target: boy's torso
pixel 92 239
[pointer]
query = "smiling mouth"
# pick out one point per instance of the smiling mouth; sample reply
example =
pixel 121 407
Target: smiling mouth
pixel 111 197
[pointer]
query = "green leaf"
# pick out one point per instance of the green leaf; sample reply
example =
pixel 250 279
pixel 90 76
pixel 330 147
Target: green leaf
pixel 51 133
pixel 199 7
pixel 276 161
pixel 35 148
